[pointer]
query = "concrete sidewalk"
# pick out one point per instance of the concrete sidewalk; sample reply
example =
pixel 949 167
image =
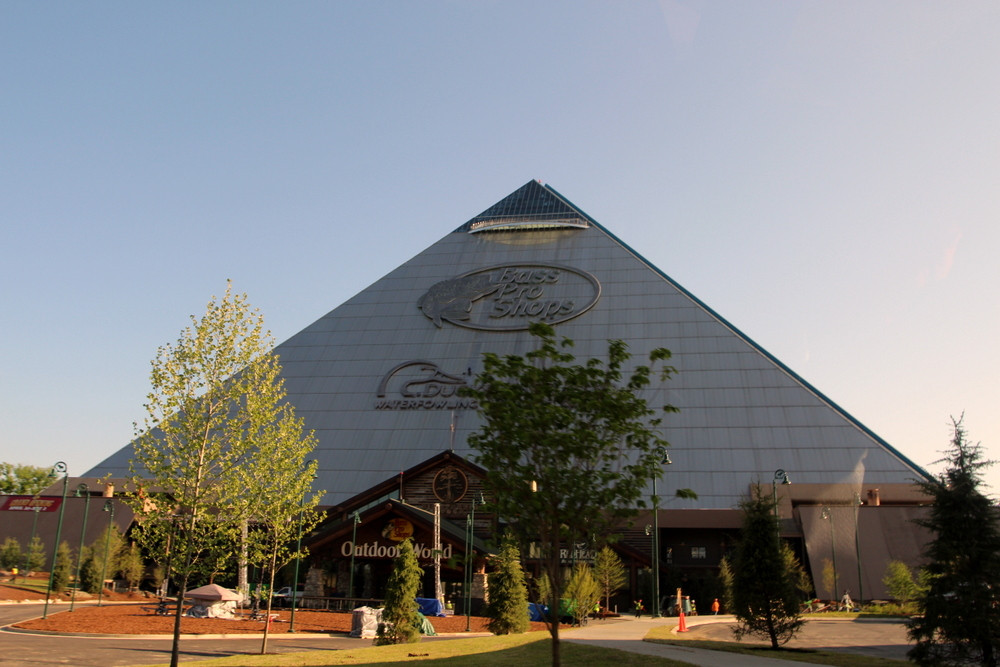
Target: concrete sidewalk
pixel 880 639
pixel 626 633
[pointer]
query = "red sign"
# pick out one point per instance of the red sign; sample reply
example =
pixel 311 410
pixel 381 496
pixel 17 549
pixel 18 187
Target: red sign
pixel 30 503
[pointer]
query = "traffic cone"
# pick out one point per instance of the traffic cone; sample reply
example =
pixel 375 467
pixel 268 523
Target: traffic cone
pixel 681 625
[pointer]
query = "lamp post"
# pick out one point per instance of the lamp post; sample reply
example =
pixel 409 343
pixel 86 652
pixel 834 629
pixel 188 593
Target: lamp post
pixel 470 527
pixel 827 515
pixel 298 558
pixel 857 547
pixel 59 468
pixel 356 518
pixel 109 506
pixel 295 583
pixel 780 477
pixel 83 490
pixel 664 461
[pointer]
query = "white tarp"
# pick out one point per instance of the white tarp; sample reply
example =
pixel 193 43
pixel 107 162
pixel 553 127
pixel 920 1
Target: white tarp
pixel 213 609
pixel 364 622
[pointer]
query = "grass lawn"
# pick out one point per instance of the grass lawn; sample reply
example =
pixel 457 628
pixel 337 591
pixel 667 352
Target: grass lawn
pixel 527 649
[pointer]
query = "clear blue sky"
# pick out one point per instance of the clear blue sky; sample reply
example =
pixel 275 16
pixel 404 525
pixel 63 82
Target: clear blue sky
pixel 825 175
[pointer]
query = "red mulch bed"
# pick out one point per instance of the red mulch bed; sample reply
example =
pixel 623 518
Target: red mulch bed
pixel 12 592
pixel 139 619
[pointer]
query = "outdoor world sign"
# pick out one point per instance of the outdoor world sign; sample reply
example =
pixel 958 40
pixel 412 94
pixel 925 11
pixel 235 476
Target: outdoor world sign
pixel 510 297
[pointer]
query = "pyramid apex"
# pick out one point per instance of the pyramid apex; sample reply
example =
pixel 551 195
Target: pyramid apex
pixel 533 206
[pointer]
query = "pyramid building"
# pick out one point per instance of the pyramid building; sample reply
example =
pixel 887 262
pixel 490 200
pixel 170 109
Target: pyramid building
pixel 377 378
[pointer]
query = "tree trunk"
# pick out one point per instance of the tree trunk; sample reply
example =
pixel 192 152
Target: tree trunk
pixel 555 580
pixel 175 652
pixel 270 599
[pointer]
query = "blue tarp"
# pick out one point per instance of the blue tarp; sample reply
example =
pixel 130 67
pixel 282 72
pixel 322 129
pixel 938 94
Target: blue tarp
pixel 537 612
pixel 430 607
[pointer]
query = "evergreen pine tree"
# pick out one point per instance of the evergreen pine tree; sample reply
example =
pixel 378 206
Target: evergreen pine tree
pixel 94 569
pixel 63 568
pixel 609 571
pixel 899 582
pixel 766 577
pixel 400 617
pixel 36 555
pixel 582 593
pixel 128 561
pixel 90 574
pixel 508 608
pixel 10 554
pixel 960 620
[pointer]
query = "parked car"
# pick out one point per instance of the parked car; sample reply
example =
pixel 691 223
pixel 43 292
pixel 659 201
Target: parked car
pixel 283 596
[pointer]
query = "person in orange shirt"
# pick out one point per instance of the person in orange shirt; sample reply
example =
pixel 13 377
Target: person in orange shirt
pixel 715 606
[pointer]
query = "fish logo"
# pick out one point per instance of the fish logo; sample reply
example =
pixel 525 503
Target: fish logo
pixel 452 299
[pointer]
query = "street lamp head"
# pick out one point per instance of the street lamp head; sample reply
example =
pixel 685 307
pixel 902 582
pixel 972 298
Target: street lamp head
pixel 109 506
pixel 781 477
pixel 649 530
pixel 59 468
pixel 825 514
pixel 81 490
pixel 356 517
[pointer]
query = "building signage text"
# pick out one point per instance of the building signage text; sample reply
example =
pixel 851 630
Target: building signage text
pixel 519 295
pixel 377 550
pixel 30 504
pixel 422 385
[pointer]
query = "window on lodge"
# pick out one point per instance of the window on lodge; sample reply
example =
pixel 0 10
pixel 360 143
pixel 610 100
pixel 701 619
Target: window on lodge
pixel 699 553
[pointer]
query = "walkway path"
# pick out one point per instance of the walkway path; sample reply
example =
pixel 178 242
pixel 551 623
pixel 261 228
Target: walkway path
pixel 626 633
pixel 882 639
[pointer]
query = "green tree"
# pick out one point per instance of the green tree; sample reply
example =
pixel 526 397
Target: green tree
pixel 508 608
pixel 63 569
pixel 283 511
pixel 17 479
pixel 90 574
pixel 35 557
pixel 400 617
pixel 109 542
pixel 213 394
pixel 899 582
pixel 766 577
pixel 960 619
pixel 129 563
pixel 610 573
pixel 829 577
pixel 543 589
pixel 582 592
pixel 569 448
pixel 10 554
pixel 726 579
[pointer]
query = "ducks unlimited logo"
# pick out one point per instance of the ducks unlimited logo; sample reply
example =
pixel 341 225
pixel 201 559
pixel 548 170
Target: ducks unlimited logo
pixel 510 297
pixel 422 385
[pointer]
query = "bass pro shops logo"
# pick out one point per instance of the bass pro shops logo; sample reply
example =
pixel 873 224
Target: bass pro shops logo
pixel 519 294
